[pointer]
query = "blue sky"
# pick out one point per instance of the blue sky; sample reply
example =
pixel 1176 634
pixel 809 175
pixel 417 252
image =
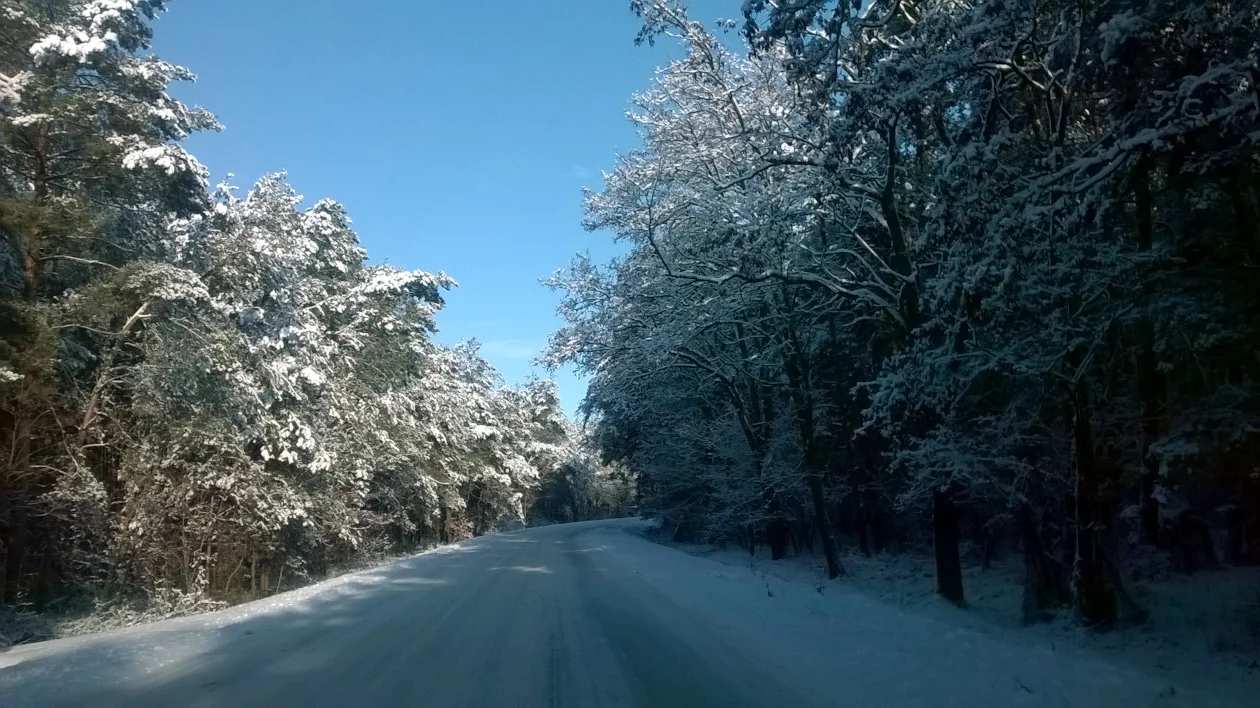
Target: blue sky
pixel 457 133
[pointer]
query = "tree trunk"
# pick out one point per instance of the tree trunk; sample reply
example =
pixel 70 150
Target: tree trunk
pixel 1096 603
pixel 863 523
pixel 777 530
pixel 945 539
pixel 777 538
pixel 46 577
pixel 33 247
pixel 1190 543
pixel 909 304
pixel 1043 578
pixel 985 538
pixel 796 367
pixel 879 538
pixel 16 553
pixel 825 532
pixel 1149 381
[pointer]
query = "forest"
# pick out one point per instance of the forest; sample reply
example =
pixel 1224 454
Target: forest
pixel 208 396
pixel 975 276
pixel 979 275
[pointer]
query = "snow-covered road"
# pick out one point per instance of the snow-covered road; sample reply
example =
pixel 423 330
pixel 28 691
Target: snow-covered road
pixel 574 615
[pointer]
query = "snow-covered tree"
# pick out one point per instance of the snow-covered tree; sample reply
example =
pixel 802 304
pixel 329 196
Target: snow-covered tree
pixel 989 259
pixel 90 169
pixel 206 396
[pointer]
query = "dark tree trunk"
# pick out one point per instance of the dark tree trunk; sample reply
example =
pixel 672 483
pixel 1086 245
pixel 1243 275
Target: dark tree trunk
pixel 4 539
pixel 825 532
pixel 1243 533
pixel 840 516
pixel 879 538
pixel 1043 578
pixel 34 244
pixel 1236 543
pixel 46 579
pixel 777 536
pixel 1096 602
pixel 909 304
pixel 864 543
pixel 1149 381
pixel 1148 509
pixel 945 539
pixel 1191 544
pixel 984 538
pixel 796 366
pixel 16 544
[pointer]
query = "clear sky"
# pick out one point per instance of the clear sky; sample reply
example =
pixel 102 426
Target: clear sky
pixel 458 133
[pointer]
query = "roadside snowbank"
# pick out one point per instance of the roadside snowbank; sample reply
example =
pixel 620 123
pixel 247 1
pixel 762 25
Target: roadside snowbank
pixel 1196 639
pixel 300 600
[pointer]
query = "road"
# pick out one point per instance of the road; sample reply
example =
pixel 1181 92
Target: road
pixel 572 615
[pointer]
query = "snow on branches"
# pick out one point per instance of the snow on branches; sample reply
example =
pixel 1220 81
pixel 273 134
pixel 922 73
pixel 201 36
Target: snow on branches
pixel 224 395
pixel 973 252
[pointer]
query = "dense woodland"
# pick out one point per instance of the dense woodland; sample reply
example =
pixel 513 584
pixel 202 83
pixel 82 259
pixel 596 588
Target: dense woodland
pixel 205 395
pixel 981 274
pixel 978 273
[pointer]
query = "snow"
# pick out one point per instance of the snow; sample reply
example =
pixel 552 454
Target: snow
pixel 304 599
pixel 11 90
pixel 632 617
pixel 29 120
pixel 77 45
pixel 169 158
pixel 1194 644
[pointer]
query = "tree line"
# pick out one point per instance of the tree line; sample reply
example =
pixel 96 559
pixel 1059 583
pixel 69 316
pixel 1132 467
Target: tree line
pixel 206 395
pixel 950 270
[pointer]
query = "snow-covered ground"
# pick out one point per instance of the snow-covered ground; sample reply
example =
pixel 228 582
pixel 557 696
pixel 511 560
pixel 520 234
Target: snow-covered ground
pixel 1203 629
pixel 24 626
pixel 585 615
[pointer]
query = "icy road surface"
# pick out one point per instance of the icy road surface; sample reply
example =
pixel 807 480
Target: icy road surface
pixel 574 615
